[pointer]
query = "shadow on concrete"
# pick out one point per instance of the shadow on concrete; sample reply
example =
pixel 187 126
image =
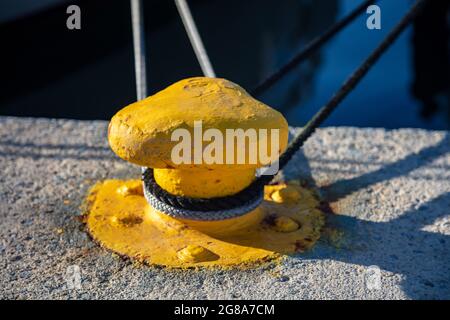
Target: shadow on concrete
pixel 76 146
pixel 342 188
pixel 400 245
pixel 55 151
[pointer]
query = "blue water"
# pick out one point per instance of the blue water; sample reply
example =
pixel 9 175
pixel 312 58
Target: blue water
pixel 245 40
pixel 383 98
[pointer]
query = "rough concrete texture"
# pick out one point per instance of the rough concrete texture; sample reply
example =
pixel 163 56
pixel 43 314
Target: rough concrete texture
pixel 390 191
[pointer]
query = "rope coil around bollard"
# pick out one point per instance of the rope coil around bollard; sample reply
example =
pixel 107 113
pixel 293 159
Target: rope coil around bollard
pixel 200 208
pixel 238 204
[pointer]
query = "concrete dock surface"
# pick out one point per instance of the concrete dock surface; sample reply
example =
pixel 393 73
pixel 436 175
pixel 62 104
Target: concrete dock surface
pixel 388 236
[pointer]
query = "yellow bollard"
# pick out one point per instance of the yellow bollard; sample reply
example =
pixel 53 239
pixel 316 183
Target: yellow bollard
pixel 120 219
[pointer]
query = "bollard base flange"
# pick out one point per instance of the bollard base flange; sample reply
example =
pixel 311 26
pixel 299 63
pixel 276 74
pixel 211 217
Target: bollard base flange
pixel 119 219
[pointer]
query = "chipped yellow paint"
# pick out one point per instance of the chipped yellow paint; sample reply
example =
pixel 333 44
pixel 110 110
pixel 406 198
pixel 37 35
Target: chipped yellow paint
pixel 141 132
pixel 120 219
pixel 127 225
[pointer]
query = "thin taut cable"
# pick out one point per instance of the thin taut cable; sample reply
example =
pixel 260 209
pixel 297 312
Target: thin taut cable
pixel 346 88
pixel 194 37
pixel 309 49
pixel 245 196
pixel 137 22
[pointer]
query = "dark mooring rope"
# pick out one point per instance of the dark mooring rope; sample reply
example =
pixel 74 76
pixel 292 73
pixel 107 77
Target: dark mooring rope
pixel 249 193
pixel 309 49
pixel 346 88
pixel 243 198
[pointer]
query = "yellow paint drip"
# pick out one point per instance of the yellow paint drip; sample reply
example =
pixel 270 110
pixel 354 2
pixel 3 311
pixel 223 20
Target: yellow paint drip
pixel 287 195
pixel 131 189
pixel 195 254
pixel 124 223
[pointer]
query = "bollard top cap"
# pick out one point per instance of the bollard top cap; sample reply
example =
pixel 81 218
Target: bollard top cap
pixel 142 132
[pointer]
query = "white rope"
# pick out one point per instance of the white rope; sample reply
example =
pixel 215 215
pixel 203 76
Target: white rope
pixel 194 37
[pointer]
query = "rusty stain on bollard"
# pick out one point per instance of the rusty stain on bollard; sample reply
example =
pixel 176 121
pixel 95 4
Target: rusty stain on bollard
pixel 120 219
